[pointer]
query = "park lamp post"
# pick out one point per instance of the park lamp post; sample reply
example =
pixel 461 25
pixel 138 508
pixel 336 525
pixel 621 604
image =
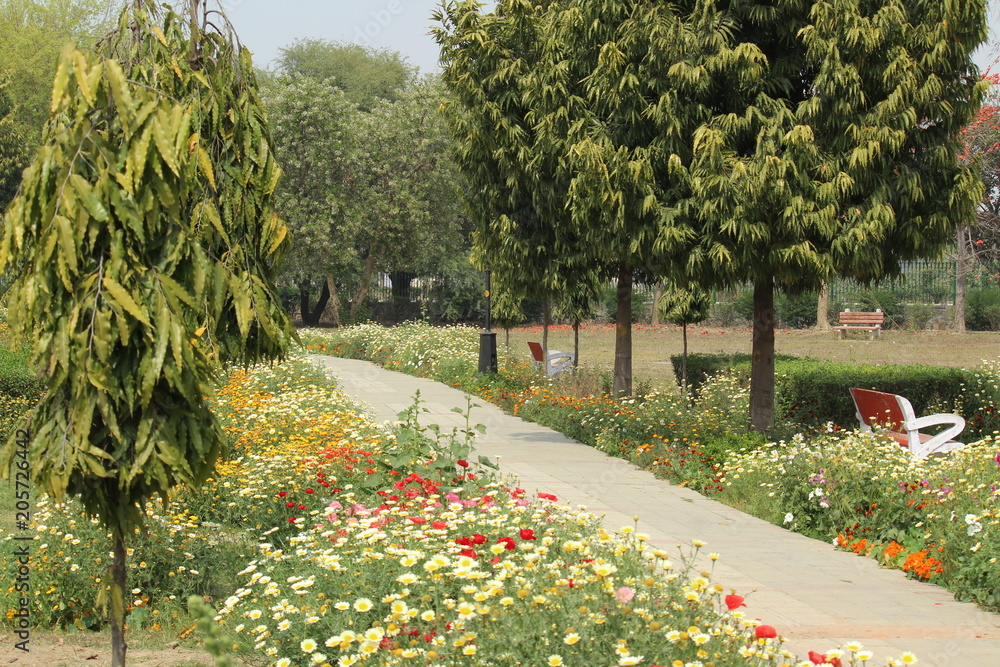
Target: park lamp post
pixel 488 338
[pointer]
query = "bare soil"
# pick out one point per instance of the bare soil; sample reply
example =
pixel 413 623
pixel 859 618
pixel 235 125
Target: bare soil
pixel 51 649
pixel 652 346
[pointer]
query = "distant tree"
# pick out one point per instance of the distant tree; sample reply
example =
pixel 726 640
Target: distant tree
pixel 145 242
pixel 13 148
pixel 683 306
pixel 366 75
pixel 314 130
pixel 32 34
pixel 979 241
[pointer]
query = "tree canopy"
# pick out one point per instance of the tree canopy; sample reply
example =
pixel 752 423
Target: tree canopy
pixel 13 148
pixel 32 34
pixel 366 75
pixel 719 142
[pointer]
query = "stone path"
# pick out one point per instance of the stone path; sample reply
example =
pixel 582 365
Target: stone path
pixel 817 597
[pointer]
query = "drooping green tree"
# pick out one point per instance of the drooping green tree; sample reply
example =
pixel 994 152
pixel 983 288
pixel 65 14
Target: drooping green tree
pixel 487 58
pixel 145 239
pixel 576 125
pixel 840 158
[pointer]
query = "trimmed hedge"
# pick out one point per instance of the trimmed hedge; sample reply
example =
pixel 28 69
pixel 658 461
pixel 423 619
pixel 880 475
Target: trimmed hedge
pixel 815 392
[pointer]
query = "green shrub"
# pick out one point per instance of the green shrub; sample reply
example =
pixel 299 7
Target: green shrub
pixel 702 365
pixel 797 311
pixel 982 310
pixel 816 392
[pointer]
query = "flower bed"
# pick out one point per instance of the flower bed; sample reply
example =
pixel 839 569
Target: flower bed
pixel 325 540
pixel 934 519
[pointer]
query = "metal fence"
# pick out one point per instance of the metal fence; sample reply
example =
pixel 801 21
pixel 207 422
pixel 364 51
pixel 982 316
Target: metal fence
pixel 921 281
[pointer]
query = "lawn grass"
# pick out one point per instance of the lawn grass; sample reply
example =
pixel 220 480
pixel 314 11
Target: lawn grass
pixel 652 346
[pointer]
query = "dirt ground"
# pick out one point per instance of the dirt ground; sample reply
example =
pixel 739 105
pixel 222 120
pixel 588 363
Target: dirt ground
pixel 52 650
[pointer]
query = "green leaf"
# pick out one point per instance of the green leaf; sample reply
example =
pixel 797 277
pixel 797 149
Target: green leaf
pixel 123 299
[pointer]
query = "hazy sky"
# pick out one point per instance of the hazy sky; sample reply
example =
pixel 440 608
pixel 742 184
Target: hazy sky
pixel 264 26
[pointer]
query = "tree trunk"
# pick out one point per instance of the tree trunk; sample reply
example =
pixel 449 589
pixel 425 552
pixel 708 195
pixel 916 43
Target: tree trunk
pixel 823 308
pixel 657 293
pixel 366 281
pixel 333 307
pixel 684 360
pixel 961 279
pixel 546 317
pixel 117 616
pixel 576 343
pixel 623 334
pixel 310 316
pixel 762 364
pixel 506 332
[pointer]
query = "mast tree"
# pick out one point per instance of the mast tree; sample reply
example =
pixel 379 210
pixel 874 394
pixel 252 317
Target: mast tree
pixel 147 238
pixel 841 158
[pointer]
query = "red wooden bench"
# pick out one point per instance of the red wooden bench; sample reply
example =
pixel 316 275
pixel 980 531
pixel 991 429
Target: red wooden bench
pixel 557 361
pixel 881 410
pixel 860 321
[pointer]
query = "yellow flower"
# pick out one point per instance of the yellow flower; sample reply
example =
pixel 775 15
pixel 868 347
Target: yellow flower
pixel 908 658
pixel 555 661
pixel 308 645
pixel 362 605
pixel 571 638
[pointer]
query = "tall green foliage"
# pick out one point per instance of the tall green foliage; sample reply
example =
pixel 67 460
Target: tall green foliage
pixel 13 147
pixel 841 158
pixel 717 141
pixel 145 242
pixel 32 34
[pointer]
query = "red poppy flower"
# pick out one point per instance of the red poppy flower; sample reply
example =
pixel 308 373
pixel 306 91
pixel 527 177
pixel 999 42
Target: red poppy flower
pixel 462 462
pixel 468 552
pixel 765 632
pixel 282 494
pixel 289 504
pixel 464 541
pixel 527 534
pixel 734 602
pixel 548 496
pixel 418 519
pixel 479 539
pixel 508 543
pixel 291 519
pixel 817 658
pixel 310 491
pixel 302 507
pixel 440 525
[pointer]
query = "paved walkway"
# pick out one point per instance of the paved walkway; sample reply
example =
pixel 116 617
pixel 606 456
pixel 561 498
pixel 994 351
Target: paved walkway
pixel 816 596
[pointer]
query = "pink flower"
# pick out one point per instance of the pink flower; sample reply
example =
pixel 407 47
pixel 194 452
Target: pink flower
pixel 624 594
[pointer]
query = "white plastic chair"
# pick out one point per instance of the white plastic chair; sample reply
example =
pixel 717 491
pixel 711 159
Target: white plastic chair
pixel 555 363
pixel 877 409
